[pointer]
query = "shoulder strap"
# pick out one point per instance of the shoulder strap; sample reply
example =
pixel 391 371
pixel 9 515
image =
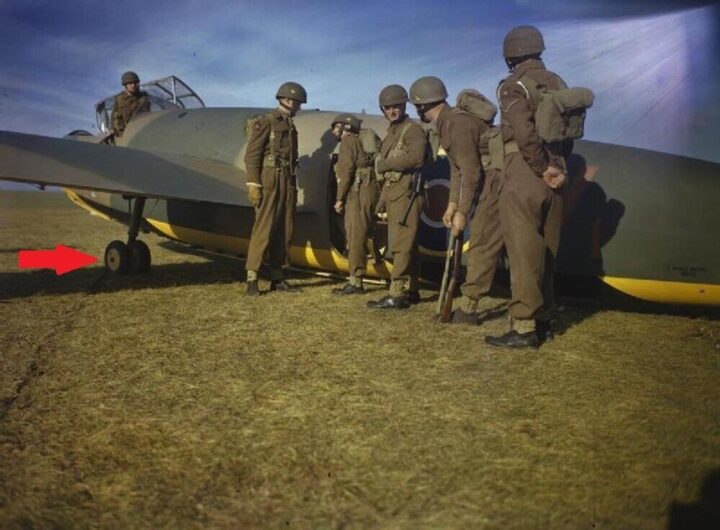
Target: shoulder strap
pixel 404 130
pixel 531 89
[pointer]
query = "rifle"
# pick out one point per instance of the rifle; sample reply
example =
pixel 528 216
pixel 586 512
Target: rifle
pixel 418 186
pixel 445 277
pixel 445 311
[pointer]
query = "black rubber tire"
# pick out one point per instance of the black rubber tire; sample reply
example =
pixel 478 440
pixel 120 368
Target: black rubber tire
pixel 140 259
pixel 117 257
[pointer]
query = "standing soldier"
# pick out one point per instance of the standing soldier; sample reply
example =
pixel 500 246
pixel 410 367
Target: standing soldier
pixel 357 196
pixel 530 201
pixel 128 103
pixel 270 161
pixel 465 136
pixel 402 155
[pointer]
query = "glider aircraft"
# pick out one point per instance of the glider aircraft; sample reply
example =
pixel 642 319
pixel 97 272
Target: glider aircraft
pixel 643 222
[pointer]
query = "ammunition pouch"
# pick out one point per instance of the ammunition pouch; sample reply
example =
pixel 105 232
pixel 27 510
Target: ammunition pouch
pixel 364 173
pixel 511 147
pixel 393 176
pixel 486 161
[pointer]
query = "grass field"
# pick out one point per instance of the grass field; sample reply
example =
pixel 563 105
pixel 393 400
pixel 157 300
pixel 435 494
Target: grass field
pixel 173 400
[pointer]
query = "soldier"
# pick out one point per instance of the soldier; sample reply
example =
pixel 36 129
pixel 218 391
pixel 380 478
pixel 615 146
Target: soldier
pixel 402 155
pixel 530 201
pixel 473 184
pixel 128 103
pixel 270 161
pixel 357 196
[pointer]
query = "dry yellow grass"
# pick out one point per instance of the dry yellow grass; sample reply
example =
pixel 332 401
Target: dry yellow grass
pixel 173 400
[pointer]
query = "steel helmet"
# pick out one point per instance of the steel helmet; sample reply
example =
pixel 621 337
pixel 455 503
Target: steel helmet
pixel 292 90
pixel 393 95
pixel 522 41
pixel 129 77
pixel 351 122
pixel 428 89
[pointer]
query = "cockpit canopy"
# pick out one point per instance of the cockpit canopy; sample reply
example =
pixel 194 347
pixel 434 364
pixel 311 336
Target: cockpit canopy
pixel 168 93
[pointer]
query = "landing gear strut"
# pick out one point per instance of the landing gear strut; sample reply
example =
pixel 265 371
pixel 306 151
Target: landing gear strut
pixel 133 256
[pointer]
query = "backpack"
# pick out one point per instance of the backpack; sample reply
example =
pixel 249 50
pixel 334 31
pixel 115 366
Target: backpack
pixel 473 102
pixel 559 114
pixel 370 142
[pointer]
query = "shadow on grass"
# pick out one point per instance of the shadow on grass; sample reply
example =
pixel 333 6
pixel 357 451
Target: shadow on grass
pixel 580 297
pixel 703 514
pixel 97 280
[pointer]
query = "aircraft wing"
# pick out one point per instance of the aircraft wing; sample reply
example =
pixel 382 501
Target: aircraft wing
pixel 60 162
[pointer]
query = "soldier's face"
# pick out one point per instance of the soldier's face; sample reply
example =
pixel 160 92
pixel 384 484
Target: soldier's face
pixel 292 106
pixel 337 130
pixel 394 112
pixel 420 109
pixel 132 88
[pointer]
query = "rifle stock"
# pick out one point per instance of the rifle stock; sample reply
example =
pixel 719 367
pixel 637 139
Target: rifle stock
pixel 418 186
pixel 446 310
pixel 445 276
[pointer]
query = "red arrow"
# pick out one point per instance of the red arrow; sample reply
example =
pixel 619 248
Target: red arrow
pixel 63 259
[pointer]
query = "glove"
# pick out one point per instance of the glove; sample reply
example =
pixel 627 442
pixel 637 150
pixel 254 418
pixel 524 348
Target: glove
pixel 255 195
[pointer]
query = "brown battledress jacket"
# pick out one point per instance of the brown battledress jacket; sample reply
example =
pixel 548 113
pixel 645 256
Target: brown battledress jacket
pixel 461 136
pixel 403 149
pixel 359 190
pixel 530 211
pixel 270 161
pixel 126 107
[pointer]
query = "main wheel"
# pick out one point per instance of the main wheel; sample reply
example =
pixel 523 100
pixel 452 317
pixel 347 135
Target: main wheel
pixel 117 257
pixel 139 257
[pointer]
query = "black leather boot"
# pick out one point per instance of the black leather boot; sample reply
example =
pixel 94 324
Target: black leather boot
pixel 282 285
pixel 544 330
pixel 513 339
pixel 251 289
pixel 389 302
pixel 348 288
pixel 413 297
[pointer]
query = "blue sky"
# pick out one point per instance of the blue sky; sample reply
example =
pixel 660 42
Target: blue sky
pixel 652 64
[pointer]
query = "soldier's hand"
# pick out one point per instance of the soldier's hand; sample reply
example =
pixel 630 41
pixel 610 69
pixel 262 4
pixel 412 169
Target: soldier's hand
pixel 339 207
pixel 447 217
pixel 553 177
pixel 381 206
pixel 255 195
pixel 458 223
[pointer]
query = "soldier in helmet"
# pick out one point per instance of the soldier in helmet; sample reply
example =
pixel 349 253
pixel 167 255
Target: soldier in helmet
pixel 473 185
pixel 357 196
pixel 128 103
pixel 270 161
pixel 530 201
pixel 402 155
